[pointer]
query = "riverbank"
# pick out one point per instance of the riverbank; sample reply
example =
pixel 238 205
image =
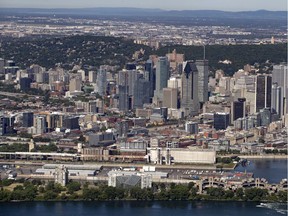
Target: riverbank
pixel 40 191
pixel 263 156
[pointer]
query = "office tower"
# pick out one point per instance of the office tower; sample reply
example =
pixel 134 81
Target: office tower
pixel 202 67
pixel 170 98
pixel 140 92
pixel 221 121
pixel 238 109
pixel 123 91
pixel 92 76
pixel 71 122
pixel 40 124
pixel 42 77
pixel 101 81
pixel 162 75
pixel 75 84
pixel 189 93
pixel 28 119
pixel 280 76
pixel 265 115
pixel 54 121
pixel 263 92
pixel 276 99
pixel 132 76
pixel 82 75
pixel 192 127
pixel 7 125
pixel 25 83
pixel 149 67
pixel 123 97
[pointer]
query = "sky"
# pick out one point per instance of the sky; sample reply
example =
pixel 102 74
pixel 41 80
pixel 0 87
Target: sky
pixel 225 5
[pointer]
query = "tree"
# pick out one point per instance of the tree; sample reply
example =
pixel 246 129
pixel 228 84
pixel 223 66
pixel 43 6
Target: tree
pixel 256 194
pixel 239 193
pixel 73 187
pixel 50 195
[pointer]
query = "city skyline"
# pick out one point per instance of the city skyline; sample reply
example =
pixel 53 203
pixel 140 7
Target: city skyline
pixel 225 5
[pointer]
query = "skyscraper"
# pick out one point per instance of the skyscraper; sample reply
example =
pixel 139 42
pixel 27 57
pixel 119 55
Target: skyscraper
pixel 202 67
pixel 101 81
pixel 162 75
pixel 150 69
pixel 221 121
pixel 170 97
pixel 92 76
pixel 276 100
pixel 123 97
pixel 28 119
pixel 189 97
pixel 280 76
pixel 75 84
pixel 238 109
pixel 263 92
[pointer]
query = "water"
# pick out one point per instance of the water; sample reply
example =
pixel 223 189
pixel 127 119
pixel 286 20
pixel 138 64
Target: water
pixel 127 208
pixel 273 170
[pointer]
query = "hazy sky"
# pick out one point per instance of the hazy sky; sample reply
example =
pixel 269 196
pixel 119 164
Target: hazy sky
pixel 228 5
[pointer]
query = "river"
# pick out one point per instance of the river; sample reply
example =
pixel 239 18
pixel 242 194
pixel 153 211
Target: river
pixel 139 208
pixel 273 170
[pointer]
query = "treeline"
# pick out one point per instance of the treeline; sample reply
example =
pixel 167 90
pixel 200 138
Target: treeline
pixel 239 55
pixel 36 190
pixel 69 51
pixel 97 50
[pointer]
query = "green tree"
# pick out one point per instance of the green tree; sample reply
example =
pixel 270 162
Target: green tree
pixel 73 186
pixel 239 193
pixel 50 195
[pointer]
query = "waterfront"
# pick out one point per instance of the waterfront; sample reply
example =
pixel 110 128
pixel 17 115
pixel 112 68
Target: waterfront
pixel 273 170
pixel 121 208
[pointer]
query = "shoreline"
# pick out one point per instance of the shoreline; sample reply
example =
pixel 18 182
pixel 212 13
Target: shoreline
pixel 263 157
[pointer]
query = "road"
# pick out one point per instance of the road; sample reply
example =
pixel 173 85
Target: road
pixel 11 94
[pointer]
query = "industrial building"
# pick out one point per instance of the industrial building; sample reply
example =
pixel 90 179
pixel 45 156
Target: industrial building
pixel 178 155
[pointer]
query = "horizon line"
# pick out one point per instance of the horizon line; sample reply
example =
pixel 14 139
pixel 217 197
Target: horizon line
pixel 164 10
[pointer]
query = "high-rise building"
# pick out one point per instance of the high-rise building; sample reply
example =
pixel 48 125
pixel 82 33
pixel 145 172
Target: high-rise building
pixel 40 124
pixel 202 67
pixel 263 92
pixel 238 109
pixel 140 92
pixel 162 75
pixel 170 97
pixel 75 84
pixel 192 127
pixel 276 100
pixel 221 121
pixel 25 83
pixel 7 125
pixel 71 122
pixel 28 119
pixel 265 115
pixel 42 77
pixel 92 76
pixel 123 91
pixel 280 76
pixel 189 93
pixel 150 68
pixel 102 81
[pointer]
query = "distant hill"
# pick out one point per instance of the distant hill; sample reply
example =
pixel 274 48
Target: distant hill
pixel 260 14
